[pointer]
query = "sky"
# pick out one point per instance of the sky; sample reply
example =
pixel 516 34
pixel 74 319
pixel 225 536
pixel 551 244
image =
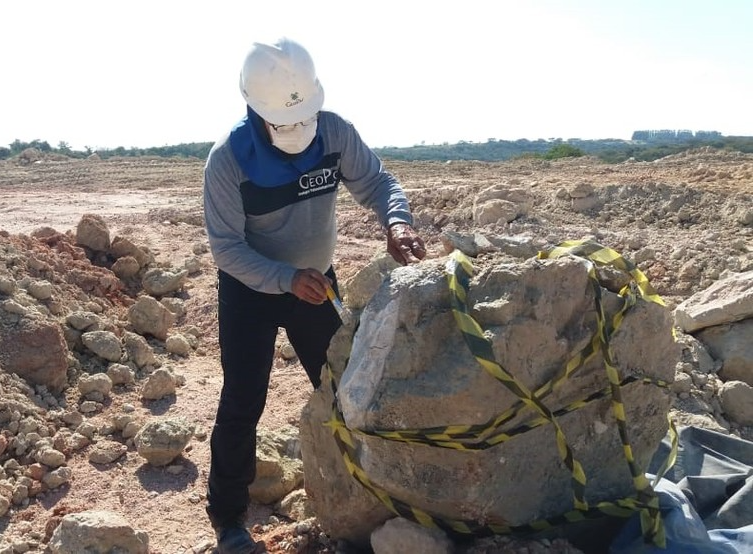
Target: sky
pixel 162 72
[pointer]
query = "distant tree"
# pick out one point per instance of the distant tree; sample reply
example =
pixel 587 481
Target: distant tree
pixel 41 145
pixel 563 151
pixel 64 148
pixel 16 147
pixel 5 153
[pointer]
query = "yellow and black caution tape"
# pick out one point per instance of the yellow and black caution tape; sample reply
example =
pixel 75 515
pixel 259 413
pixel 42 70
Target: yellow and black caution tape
pixel 651 523
pixel 345 440
pixel 481 436
pixel 459 274
pixel 487 435
pixel 603 256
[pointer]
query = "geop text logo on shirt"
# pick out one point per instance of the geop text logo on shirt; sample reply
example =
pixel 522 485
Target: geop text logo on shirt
pixel 318 180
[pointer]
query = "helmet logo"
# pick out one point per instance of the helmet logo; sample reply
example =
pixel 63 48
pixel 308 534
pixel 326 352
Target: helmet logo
pixel 295 99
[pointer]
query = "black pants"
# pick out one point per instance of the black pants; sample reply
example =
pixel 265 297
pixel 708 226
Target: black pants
pixel 248 324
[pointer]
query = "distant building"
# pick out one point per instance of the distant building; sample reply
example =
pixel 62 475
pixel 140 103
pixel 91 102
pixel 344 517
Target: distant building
pixel 672 135
pixel 707 135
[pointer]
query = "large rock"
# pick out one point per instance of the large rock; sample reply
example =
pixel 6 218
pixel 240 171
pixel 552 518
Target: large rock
pixel 732 345
pixel 726 301
pixel 138 349
pixel 736 399
pixel 93 233
pixel 410 368
pixel 158 281
pixel 149 317
pixel 500 204
pixel 159 384
pixel 104 344
pixel 122 247
pixel 97 532
pixel 36 350
pixel 279 469
pixel 469 244
pixel 399 535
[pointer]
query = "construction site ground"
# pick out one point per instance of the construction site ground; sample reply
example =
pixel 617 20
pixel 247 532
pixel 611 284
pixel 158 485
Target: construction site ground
pixel 157 203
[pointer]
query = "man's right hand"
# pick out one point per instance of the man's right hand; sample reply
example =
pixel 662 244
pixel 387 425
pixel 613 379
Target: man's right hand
pixel 404 245
pixel 310 285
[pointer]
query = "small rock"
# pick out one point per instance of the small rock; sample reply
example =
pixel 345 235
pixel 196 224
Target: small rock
pixel 41 290
pixel 121 374
pixel 178 344
pixel 58 477
pixel 99 382
pixel 159 384
pixel 106 452
pixel 87 407
pixel 288 352
pixel 161 441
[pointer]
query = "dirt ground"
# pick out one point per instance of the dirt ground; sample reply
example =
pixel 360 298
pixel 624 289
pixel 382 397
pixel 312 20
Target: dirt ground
pixel 689 210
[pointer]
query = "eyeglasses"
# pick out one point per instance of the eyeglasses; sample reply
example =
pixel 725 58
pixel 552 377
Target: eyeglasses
pixel 291 128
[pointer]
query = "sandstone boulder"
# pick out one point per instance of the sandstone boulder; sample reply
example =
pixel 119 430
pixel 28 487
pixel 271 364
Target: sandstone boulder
pixel 407 367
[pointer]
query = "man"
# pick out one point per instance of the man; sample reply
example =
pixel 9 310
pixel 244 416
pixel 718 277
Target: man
pixel 270 190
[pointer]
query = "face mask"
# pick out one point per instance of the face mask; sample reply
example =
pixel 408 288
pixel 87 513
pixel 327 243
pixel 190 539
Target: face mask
pixel 295 140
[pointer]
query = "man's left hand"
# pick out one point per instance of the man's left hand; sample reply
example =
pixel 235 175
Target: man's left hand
pixel 404 245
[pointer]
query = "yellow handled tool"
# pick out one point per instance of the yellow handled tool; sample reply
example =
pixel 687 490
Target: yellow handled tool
pixel 335 302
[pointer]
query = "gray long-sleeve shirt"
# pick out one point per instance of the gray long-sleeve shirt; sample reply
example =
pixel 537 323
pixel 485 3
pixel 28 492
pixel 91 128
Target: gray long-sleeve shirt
pixel 262 234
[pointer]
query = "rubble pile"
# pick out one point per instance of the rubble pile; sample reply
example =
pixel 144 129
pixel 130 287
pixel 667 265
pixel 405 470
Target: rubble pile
pixel 74 331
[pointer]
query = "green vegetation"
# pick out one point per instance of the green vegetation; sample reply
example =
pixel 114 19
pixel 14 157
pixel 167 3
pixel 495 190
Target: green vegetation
pixel 607 150
pixel 563 151
pixel 189 150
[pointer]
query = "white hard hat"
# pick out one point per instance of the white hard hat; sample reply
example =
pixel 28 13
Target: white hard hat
pixel 278 81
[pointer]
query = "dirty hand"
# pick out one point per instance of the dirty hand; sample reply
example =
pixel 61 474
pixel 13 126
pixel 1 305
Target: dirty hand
pixel 404 245
pixel 310 285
